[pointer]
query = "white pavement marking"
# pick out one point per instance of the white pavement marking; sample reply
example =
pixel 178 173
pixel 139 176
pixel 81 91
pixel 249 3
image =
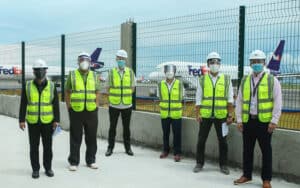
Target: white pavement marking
pixel 143 170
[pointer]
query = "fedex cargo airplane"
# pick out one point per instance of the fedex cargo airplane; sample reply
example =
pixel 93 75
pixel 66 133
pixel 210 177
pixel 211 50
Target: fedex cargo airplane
pixel 14 72
pixel 188 72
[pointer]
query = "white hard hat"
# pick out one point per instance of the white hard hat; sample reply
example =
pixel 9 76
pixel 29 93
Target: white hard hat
pixel 213 55
pixel 39 63
pixel 84 55
pixel 122 53
pixel 257 54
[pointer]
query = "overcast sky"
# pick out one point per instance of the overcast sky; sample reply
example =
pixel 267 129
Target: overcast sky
pixel 32 19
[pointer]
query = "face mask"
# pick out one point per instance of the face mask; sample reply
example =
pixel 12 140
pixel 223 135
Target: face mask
pixel 40 74
pixel 121 63
pixel 214 68
pixel 258 67
pixel 84 65
pixel 170 75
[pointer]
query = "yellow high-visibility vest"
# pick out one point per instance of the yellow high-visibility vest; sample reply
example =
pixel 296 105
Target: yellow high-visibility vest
pixel 39 105
pixel 170 101
pixel 264 98
pixel 83 95
pixel 120 88
pixel 214 97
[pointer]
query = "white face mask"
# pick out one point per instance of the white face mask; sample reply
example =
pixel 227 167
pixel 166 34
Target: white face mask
pixel 84 65
pixel 214 68
pixel 170 75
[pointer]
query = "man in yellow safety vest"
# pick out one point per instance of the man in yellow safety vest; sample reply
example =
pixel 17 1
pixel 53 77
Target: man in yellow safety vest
pixel 258 109
pixel 170 91
pixel 214 99
pixel 40 106
pixel 82 100
pixel 120 85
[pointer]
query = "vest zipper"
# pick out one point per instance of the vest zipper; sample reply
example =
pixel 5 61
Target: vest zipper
pixel 121 78
pixel 85 92
pixel 170 90
pixel 214 92
pixel 169 113
pixel 39 116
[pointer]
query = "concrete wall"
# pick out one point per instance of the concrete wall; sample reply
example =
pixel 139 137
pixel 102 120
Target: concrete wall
pixel 146 130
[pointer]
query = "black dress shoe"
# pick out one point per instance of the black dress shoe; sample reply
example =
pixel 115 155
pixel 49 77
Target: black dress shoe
pixel 198 168
pixel 224 170
pixel 108 152
pixel 49 173
pixel 35 174
pixel 129 152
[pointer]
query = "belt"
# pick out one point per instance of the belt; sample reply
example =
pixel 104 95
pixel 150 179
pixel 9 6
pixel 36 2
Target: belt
pixel 253 116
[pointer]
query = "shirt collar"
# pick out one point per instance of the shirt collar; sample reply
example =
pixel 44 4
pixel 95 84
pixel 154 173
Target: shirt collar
pixel 171 82
pixel 44 82
pixel 211 76
pixel 259 75
pixel 119 70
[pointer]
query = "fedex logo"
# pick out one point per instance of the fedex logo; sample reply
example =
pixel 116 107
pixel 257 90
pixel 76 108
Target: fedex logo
pixel 197 72
pixel 276 57
pixel 12 71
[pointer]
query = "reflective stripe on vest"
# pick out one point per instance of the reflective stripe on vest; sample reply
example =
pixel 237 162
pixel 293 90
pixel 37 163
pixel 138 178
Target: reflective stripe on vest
pixel 83 95
pixel 170 101
pixel 120 89
pixel 214 97
pixel 264 98
pixel 39 106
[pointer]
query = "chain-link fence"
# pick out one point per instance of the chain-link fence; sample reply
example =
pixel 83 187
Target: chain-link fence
pixel 266 25
pixel 108 39
pixel 10 67
pixel 184 41
pixel 48 49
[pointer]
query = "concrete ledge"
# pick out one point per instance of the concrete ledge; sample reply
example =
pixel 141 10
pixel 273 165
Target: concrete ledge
pixel 146 130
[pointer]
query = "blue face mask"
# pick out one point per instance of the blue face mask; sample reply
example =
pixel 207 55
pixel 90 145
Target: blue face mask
pixel 121 63
pixel 257 67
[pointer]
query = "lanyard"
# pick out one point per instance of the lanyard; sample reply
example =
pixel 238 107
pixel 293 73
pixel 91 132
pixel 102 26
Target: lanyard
pixel 255 86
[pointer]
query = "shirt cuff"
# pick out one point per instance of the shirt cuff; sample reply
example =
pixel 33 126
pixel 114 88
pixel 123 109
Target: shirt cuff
pixel 274 120
pixel 239 119
pixel 198 103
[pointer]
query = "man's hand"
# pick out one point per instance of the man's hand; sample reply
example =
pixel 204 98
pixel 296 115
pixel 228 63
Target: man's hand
pixel 22 126
pixel 240 127
pixel 229 120
pixel 54 125
pixel 199 119
pixel 272 127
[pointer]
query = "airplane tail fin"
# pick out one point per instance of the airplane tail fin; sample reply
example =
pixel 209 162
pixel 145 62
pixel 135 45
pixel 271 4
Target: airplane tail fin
pixel 274 63
pixel 95 55
pixel 94 59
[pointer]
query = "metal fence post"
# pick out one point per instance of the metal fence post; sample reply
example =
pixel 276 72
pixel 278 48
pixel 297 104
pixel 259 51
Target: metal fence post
pixel 128 43
pixel 241 44
pixel 23 63
pixel 63 67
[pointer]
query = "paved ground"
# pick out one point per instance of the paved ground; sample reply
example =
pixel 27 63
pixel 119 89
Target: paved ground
pixel 143 170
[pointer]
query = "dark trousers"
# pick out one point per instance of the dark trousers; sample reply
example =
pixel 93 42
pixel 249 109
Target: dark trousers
pixel 35 132
pixel 254 130
pixel 176 128
pixel 79 121
pixel 205 126
pixel 113 118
